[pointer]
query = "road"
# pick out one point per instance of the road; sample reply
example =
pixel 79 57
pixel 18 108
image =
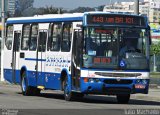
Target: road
pixel 12 99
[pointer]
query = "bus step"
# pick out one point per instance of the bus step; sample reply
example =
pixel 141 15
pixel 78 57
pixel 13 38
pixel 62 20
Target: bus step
pixel 40 87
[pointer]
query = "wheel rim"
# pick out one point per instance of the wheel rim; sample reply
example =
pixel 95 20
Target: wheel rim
pixel 66 89
pixel 23 84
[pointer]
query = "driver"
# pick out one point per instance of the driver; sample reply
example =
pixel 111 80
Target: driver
pixel 127 48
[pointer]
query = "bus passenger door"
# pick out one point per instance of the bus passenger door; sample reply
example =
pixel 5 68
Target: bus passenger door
pixel 76 49
pixel 15 55
pixel 41 57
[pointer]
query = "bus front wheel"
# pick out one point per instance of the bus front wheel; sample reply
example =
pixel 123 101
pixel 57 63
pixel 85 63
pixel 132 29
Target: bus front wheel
pixel 26 90
pixel 123 98
pixel 68 95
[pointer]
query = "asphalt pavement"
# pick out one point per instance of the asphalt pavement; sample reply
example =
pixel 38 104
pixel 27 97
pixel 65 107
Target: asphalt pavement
pixel 49 102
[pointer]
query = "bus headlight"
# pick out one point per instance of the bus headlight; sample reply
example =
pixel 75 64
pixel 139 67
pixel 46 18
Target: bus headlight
pixel 91 80
pixel 141 81
pixel 138 81
pixel 144 81
pixel 94 80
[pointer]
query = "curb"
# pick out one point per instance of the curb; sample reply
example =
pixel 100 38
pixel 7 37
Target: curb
pixel 154 86
pixel 4 83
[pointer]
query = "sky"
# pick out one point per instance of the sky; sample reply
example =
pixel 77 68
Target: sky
pixel 71 4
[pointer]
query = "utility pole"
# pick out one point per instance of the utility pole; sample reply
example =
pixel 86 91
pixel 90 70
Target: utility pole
pixel 2 35
pixel 136 7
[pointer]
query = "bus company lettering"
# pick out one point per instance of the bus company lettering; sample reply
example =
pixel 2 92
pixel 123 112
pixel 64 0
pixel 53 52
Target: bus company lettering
pixel 57 61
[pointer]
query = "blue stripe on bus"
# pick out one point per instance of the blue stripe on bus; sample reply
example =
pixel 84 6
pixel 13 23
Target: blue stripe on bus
pixel 34 59
pixel 53 79
pixel 44 20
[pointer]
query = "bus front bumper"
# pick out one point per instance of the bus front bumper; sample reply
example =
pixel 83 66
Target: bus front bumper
pixel 114 86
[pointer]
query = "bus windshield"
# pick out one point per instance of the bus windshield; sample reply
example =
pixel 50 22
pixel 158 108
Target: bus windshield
pixel 114 48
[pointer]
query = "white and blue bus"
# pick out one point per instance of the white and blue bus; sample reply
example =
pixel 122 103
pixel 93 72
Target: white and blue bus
pixel 78 53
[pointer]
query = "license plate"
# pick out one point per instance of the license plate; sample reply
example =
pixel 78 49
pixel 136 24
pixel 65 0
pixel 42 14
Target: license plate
pixel 139 86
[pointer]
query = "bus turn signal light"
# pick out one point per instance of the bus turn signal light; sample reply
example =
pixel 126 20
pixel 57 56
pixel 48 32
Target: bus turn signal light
pixel 85 79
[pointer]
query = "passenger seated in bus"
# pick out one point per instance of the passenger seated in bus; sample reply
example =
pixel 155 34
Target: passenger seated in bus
pixel 127 48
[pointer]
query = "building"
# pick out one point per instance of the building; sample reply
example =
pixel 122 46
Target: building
pixel 154 13
pixel 127 7
pixel 120 7
pixel 149 8
pixel 9 7
pixel 6 6
pixel 144 8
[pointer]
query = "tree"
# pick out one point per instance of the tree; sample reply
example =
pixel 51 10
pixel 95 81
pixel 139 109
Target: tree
pixel 82 9
pixel 155 53
pixel 155 49
pixel 49 10
pixel 31 11
pixel 22 5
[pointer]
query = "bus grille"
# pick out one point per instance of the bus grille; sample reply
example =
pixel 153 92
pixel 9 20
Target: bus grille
pixel 118 74
pixel 117 90
pixel 114 81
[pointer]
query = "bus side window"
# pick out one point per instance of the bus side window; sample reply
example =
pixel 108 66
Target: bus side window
pixel 9 38
pixel 33 38
pixel 49 36
pixel 54 39
pixel 25 37
pixel 66 38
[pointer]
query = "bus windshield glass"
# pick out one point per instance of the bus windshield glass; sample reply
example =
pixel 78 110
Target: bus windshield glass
pixel 114 48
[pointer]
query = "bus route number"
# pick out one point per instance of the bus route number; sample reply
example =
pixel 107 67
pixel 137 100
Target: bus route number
pixel 118 20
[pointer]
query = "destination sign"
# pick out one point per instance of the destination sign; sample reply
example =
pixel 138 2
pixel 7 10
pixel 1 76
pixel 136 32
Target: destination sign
pixel 116 19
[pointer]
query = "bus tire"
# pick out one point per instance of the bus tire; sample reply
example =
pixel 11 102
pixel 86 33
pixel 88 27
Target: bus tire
pixel 79 95
pixel 26 90
pixel 36 91
pixel 68 94
pixel 123 98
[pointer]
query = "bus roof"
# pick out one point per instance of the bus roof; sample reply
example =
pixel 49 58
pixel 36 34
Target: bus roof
pixel 46 18
pixel 55 17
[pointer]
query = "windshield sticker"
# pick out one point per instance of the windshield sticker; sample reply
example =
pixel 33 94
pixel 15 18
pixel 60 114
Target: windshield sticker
pixel 122 63
pixel 91 53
